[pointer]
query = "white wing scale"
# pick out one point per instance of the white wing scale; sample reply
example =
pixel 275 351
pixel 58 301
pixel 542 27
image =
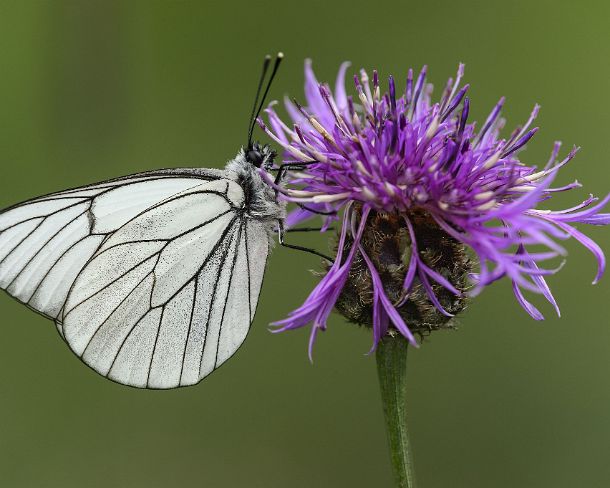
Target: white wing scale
pixel 153 280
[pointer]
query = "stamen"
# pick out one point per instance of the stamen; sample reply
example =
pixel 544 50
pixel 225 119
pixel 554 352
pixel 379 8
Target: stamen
pixel 458 78
pixel 489 122
pixel 409 88
pixel 364 77
pixel 484 195
pixel 323 132
pixel 418 89
pixel 331 198
pixel 292 150
pixel 392 90
pixel 368 194
pixel 360 166
pixel 432 128
pixel 491 162
pixel 487 206
pixel 376 92
pixel 390 189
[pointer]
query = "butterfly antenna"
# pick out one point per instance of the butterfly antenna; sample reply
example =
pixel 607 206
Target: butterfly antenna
pixel 257 111
pixel 266 62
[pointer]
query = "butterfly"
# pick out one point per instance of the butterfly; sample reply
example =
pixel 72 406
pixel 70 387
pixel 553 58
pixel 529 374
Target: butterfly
pixel 152 279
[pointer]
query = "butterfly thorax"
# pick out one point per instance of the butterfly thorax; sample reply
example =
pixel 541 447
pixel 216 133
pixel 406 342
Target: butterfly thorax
pixel 261 202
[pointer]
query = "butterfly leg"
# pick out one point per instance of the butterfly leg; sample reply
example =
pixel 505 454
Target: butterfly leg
pixel 317 212
pixel 281 172
pixel 281 232
pixel 308 229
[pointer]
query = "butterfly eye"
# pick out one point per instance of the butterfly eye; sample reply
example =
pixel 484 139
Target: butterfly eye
pixel 255 157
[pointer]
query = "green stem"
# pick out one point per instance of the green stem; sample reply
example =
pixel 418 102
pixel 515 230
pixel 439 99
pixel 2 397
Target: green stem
pixel 392 371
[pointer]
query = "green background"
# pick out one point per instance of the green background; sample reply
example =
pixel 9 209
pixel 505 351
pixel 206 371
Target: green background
pixel 95 89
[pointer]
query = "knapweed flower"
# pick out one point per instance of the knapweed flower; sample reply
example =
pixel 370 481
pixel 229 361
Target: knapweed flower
pixel 433 207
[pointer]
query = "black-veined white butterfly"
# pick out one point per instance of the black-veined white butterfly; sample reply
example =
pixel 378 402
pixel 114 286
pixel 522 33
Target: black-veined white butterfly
pixel 152 279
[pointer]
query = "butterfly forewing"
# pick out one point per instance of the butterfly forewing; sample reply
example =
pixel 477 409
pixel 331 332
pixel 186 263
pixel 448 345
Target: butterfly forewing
pixel 44 243
pixel 153 280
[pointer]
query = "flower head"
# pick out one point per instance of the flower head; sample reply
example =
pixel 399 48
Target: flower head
pixel 442 188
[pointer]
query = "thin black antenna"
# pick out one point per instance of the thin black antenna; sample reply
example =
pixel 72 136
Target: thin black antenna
pixel 266 62
pixel 255 111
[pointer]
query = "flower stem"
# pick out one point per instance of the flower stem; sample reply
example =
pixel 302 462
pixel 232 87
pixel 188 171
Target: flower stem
pixel 392 370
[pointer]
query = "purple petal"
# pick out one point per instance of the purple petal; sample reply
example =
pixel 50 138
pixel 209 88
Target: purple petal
pixel 340 95
pixel 315 102
pixel 590 244
pixel 297 216
pixel 440 279
pixel 529 308
pixel 385 301
pixel 431 295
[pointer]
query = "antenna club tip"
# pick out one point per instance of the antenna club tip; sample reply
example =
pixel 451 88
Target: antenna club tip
pixel 280 55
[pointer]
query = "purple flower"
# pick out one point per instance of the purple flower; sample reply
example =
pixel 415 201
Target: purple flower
pixel 399 160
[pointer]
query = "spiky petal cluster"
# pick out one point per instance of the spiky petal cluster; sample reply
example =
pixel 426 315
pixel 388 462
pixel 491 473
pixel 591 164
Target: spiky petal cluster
pixel 402 153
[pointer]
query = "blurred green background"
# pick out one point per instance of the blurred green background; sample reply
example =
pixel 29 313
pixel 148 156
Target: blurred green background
pixel 95 89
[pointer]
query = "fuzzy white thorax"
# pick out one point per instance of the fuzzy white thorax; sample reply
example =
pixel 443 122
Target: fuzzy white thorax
pixel 260 199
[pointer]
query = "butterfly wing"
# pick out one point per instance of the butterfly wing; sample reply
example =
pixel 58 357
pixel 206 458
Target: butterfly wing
pixel 170 296
pixel 45 242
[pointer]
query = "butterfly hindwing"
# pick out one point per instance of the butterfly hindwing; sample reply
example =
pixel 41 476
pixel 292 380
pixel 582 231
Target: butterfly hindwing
pixel 167 297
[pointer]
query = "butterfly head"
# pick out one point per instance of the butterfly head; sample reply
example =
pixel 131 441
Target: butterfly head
pixel 260 155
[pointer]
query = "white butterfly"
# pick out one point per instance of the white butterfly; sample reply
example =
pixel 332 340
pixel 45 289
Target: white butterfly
pixel 152 279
